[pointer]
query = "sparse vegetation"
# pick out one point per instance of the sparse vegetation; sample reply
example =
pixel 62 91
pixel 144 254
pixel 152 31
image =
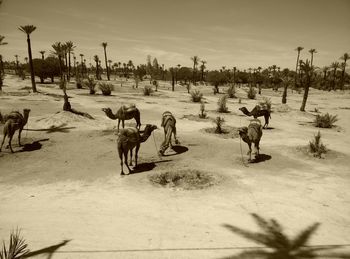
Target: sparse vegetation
pixel 231 91
pixel 184 179
pixel 106 88
pixel 325 121
pixel 17 247
pixel 202 114
pixel 239 100
pixel 222 107
pixel 91 84
pixel 196 96
pixel 316 147
pixel 251 94
pixel 219 121
pixel 147 90
pixel 266 104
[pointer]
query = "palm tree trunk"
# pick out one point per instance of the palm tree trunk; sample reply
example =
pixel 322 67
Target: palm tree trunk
pixel 306 93
pixel 296 70
pixel 106 64
pixel 284 95
pixel 69 66
pixel 32 76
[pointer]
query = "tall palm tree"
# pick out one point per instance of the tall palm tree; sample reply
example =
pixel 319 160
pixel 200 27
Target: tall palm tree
pixel 28 29
pixel 325 70
pixel 104 45
pixel 2 70
pixel 308 73
pixel 75 63
pixel 97 60
pixel 345 57
pixel 109 65
pixel 195 60
pixel 312 52
pixel 277 245
pixel 334 66
pixel 42 52
pixel 82 64
pixel 16 56
pixel 58 51
pixel 70 47
pixel 299 49
pixel 202 69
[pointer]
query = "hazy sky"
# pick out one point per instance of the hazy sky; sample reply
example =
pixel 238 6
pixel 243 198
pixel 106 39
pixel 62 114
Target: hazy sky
pixel 242 33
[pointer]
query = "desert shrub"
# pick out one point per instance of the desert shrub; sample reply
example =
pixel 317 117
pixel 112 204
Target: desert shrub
pixel 196 96
pixel 17 247
pixel 231 91
pixel 91 84
pixel 202 114
pixel 265 104
pixel 222 107
pixel 106 88
pixel 62 83
pixel 219 121
pixel 79 82
pixel 325 121
pixel 239 100
pixel 147 90
pixel 316 147
pixel 251 93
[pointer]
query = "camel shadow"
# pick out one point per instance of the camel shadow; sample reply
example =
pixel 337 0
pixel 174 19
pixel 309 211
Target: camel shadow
pixel 143 167
pixel 260 158
pixel 49 251
pixel 269 128
pixel 35 145
pixel 61 128
pixel 178 150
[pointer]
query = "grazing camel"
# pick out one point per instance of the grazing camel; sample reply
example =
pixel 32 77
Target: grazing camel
pixel 14 121
pixel 257 112
pixel 130 138
pixel 169 124
pixel 124 113
pixel 252 134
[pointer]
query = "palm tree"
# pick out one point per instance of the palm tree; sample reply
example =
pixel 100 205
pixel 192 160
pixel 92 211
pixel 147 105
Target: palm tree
pixel 312 52
pixel 202 69
pixel 16 56
pixel 104 45
pixel 308 72
pixel 26 60
pixel 82 64
pixel 195 60
pixel 28 29
pixel 42 52
pixel 58 51
pixel 70 47
pixel 109 65
pixel 299 49
pixel 345 57
pixel 325 70
pixel 97 60
pixel 278 245
pixel 2 40
pixel 334 66
pixel 2 70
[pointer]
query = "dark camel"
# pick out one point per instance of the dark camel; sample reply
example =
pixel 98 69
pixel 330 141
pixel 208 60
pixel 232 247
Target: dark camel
pixel 257 112
pixel 124 113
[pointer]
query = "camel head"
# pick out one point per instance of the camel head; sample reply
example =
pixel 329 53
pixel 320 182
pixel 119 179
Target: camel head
pixel 106 110
pixel 149 128
pixel 243 109
pixel 243 131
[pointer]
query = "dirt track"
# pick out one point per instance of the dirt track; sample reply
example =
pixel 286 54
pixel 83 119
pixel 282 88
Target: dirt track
pixel 68 185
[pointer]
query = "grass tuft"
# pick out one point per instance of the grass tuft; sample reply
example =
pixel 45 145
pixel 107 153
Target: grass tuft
pixel 325 121
pixel 316 147
pixel 196 96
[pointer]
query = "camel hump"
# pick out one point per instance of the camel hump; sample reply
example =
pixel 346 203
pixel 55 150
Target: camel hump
pixel 129 134
pixel 166 117
pixel 128 108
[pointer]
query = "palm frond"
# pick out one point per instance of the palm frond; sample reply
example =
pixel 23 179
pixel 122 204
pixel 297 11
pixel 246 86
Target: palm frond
pixel 28 29
pixel 17 247
pixel 302 238
pixel 253 236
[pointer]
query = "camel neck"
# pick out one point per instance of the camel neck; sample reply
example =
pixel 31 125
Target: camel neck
pixel 145 136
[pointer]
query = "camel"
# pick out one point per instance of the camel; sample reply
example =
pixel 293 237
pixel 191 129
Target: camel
pixel 257 112
pixel 169 125
pixel 130 138
pixel 124 113
pixel 252 134
pixel 14 121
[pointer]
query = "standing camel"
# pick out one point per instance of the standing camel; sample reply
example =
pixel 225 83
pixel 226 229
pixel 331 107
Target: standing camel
pixel 130 138
pixel 257 112
pixel 252 135
pixel 169 124
pixel 124 113
pixel 14 121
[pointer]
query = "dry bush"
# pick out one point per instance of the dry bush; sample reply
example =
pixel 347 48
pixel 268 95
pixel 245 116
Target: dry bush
pixel 147 90
pixel 91 84
pixel 106 88
pixel 17 247
pixel 219 121
pixel 325 121
pixel 202 114
pixel 196 96
pixel 222 107
pixel 231 91
pixel 316 147
pixel 185 179
pixel 251 94
pixel 79 82
pixel 265 104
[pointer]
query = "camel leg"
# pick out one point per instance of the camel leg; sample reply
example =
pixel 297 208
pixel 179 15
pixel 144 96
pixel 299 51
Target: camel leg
pixel 118 124
pixel 121 162
pixel 3 140
pixel 130 157
pixel 10 140
pixel 123 124
pixel 177 142
pixel 136 154
pixel 126 161
pixel 250 151
pixel 19 137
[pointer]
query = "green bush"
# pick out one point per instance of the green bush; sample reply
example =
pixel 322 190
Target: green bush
pixel 265 104
pixel 91 84
pixel 325 121
pixel 231 91
pixel 222 104
pixel 196 96
pixel 147 90
pixel 251 94
pixel 106 88
pixel 316 147
pixel 219 121
pixel 202 114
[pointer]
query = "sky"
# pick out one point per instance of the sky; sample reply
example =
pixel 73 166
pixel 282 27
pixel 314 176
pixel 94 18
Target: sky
pixel 241 33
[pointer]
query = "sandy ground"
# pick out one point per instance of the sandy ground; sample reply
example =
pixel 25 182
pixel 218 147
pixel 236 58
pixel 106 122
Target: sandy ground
pixel 65 185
